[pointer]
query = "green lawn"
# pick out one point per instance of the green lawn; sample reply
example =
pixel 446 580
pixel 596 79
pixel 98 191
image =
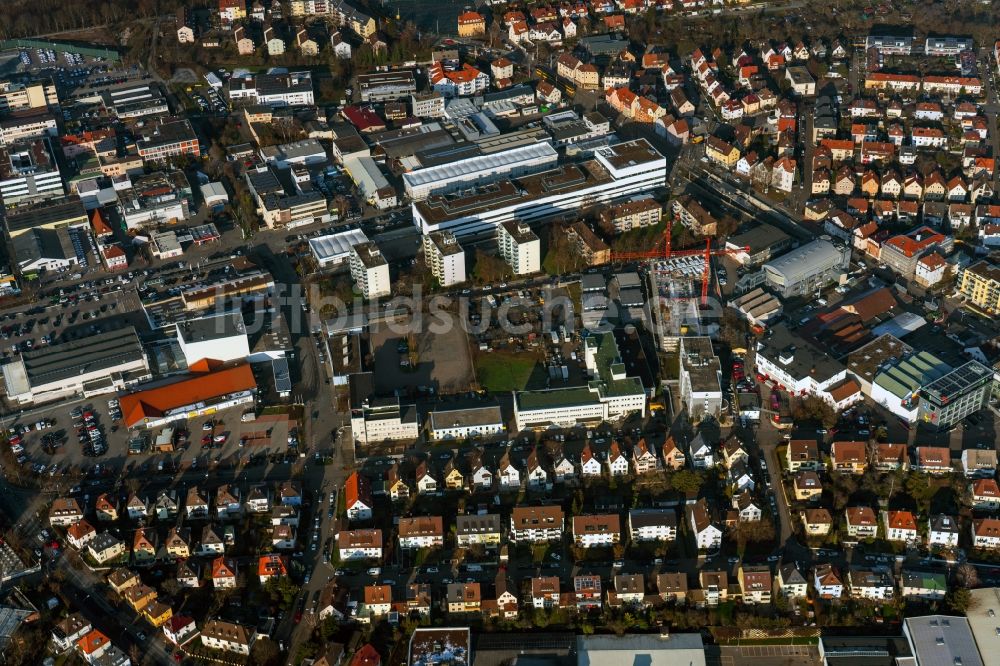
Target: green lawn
pixel 500 371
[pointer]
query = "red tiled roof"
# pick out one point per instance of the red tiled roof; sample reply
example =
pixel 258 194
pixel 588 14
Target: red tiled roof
pixel 158 401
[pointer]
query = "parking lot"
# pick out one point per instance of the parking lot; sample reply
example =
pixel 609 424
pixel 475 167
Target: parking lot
pixel 440 361
pixel 99 445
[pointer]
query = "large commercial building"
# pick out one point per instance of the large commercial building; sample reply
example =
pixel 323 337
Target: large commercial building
pixel 370 270
pixel 479 170
pixel 166 140
pixel 564 191
pixel 805 270
pixel 64 212
pixel 29 173
pixel 274 90
pixel 445 257
pixel 958 394
pixel 520 247
pixel 387 86
pixel 15 96
pixel 372 184
pixel 700 377
pixel 611 393
pixel 897 382
pixel 802 369
pixel 98 364
pixel 155 198
pixel 939 640
pixel 190 397
pixel 333 249
pixel 220 338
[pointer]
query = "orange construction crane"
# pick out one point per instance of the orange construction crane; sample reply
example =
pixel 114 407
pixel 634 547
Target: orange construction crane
pixel 668 252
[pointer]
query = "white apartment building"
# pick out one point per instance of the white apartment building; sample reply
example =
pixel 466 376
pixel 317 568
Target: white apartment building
pixel 275 90
pixel 596 531
pixel 942 531
pixel 420 532
pixel 520 247
pixel 652 524
pixel 445 257
pixel 700 377
pixel 465 421
pixel 534 524
pixel 370 271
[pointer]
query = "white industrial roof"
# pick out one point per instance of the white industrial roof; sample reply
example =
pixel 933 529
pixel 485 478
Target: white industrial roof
pixel 333 245
pixel 813 257
pixel 473 165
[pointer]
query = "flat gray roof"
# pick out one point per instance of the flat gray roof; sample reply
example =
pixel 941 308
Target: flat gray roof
pixel 942 639
pixel 69 359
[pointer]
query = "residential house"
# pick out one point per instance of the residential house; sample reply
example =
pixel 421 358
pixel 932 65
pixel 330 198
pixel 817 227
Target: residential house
pixel 755 584
pixel 228 636
pixel 545 592
pixel 360 544
pixel 122 578
pixel 510 476
pixel 707 535
pixel 791 583
pixel 827 582
pixel 816 522
pixel 227 502
pixel 861 522
pixel 673 456
pixel 986 533
pixel 979 463
pixel 358 497
pixel 258 499
pixel 136 507
pixel 395 486
pixel 630 589
pixel 807 486
pixel 139 596
pixel 943 531
pixel 657 525
pixel 536 475
pixel 179 628
pixel 891 457
pixel 464 598
pixel 105 548
pixel 874 584
pixel 196 504
pixel 702 453
pixel 900 526
pixel 587 592
pixel 453 478
pixel 188 574
pixel 290 493
pixel 589 464
pixel 106 508
pixel 596 531
pixel 714 586
pixel 223 573
pixel 426 482
pixel 672 586
pixel 283 537
pixel 933 459
pixel 80 534
pixel 478 529
pixel 748 509
pixel 643 458
pixel 64 512
pixel 617 462
pixel 985 495
pixel 143 546
pixel 849 457
pixel 536 524
pixel 178 543
pixel 802 454
pixel 211 542
pixel 421 532
pixel 67 632
pixel 418 599
pixel 926 585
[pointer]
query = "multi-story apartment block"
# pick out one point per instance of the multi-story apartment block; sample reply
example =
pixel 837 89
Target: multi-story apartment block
pixel 445 258
pixel 370 270
pixel 520 247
